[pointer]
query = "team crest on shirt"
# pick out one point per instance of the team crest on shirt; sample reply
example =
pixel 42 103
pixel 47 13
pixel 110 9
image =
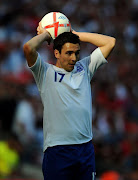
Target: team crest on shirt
pixel 79 67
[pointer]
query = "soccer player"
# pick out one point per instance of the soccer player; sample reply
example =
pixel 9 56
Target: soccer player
pixel 65 91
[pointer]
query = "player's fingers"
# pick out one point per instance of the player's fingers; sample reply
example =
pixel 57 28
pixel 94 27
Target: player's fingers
pixel 40 25
pixel 38 29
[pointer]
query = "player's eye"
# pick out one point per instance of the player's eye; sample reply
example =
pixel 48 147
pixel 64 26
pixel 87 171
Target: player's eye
pixel 69 52
pixel 77 53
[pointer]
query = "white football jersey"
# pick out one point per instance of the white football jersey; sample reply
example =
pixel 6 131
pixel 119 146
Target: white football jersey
pixel 67 100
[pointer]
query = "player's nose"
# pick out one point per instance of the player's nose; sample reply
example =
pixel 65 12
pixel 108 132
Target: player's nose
pixel 74 58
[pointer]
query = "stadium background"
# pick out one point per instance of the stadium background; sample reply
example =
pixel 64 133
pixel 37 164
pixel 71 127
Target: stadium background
pixel 115 86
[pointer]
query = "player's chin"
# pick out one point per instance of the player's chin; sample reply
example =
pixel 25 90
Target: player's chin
pixel 70 68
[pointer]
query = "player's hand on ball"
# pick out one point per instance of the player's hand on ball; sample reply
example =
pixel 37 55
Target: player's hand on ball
pixel 41 30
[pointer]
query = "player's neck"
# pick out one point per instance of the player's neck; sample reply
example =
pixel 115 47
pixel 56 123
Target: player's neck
pixel 58 64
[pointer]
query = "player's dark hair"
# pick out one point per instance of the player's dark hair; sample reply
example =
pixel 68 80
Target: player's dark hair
pixel 66 37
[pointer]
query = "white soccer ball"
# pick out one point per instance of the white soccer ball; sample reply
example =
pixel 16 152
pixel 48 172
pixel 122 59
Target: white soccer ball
pixel 56 23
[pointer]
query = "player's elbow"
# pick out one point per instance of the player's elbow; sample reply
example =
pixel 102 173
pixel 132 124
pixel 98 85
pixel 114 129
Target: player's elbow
pixel 27 48
pixel 112 42
pixel 107 49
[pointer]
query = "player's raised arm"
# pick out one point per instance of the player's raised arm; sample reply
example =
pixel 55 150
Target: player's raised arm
pixel 30 48
pixel 105 43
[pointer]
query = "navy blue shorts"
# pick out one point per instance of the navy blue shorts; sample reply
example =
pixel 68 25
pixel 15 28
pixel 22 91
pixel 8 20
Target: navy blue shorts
pixel 69 162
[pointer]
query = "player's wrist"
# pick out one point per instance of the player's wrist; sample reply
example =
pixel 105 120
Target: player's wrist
pixel 47 37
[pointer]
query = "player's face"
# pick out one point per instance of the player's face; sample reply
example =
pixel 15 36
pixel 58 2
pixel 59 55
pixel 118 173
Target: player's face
pixel 68 57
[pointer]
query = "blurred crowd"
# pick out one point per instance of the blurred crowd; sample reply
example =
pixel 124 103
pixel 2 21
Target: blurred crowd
pixel 114 86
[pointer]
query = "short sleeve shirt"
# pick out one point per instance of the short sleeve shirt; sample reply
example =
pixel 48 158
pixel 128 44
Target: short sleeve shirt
pixel 67 99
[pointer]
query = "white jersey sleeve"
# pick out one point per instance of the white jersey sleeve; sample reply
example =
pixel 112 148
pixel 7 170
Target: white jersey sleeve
pixel 96 60
pixel 39 70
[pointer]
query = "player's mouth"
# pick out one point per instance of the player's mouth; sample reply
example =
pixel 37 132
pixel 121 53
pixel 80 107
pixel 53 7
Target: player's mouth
pixel 72 64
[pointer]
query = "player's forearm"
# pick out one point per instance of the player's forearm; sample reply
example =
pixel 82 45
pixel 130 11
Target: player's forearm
pixel 37 41
pixel 30 48
pixel 98 40
pixel 105 43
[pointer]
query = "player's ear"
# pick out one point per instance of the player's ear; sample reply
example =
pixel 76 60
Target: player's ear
pixel 56 53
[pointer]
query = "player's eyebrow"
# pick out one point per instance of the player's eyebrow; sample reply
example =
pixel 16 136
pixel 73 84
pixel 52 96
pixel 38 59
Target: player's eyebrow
pixel 73 51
